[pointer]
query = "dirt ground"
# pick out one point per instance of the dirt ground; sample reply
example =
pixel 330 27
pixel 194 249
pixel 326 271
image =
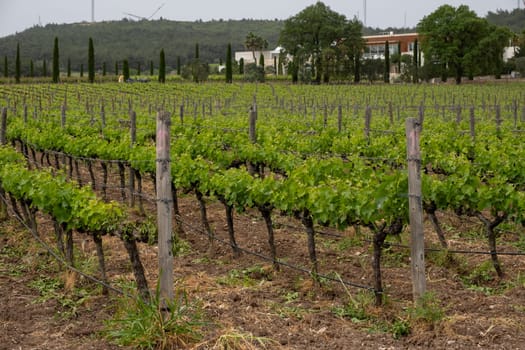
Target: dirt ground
pixel 286 308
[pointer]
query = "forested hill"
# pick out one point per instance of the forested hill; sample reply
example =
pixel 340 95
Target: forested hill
pixel 137 41
pixel 515 19
pixel 141 41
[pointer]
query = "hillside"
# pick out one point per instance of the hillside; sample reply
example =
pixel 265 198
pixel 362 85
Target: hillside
pixel 514 20
pixel 141 41
pixel 137 41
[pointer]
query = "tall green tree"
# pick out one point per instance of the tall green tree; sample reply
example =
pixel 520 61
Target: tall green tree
pixel 280 63
pixel 178 65
pixel 162 67
pixel 69 67
pixel 196 66
pixel 241 66
pixel 229 69
pixel 6 67
pixel 458 40
pixel 44 68
pixel 261 60
pixel 313 30
pixel 138 68
pixel 493 44
pixel 56 62
pixel 125 69
pixel 386 75
pixel 151 71
pixel 91 61
pixel 520 40
pixel 31 69
pixel 17 63
pixel 104 69
pixel 399 58
pixel 82 70
pixel 415 76
pixel 255 43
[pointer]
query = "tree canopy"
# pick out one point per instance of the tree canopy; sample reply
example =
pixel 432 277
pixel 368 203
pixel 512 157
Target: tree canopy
pixel 457 39
pixel 322 37
pixel 255 43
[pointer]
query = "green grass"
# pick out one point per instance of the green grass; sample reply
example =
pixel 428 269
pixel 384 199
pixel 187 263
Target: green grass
pixel 146 325
pixel 248 277
pixel 69 302
pixel 427 310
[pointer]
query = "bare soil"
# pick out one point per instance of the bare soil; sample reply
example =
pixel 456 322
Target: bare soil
pixel 246 295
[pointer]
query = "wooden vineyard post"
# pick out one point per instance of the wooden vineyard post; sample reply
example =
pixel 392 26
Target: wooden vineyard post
pixel 252 135
pixel 368 117
pixel 253 120
pixel 63 116
pixel 515 113
pixel 3 141
pixel 498 118
pixel 102 116
pixel 339 118
pixel 417 238
pixel 421 116
pixel 164 208
pixel 472 124
pixel 133 136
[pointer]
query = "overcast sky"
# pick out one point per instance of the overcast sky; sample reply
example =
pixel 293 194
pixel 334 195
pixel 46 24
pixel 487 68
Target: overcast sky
pixel 17 15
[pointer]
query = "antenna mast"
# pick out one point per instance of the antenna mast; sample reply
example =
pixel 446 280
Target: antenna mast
pixel 364 9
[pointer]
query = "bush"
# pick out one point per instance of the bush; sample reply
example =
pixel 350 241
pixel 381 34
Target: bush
pixel 253 73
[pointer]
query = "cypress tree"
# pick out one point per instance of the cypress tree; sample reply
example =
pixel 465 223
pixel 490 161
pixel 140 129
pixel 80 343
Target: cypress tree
pixel 138 68
pixel 91 61
pixel 44 68
pixel 103 69
pixel 386 75
pixel 116 67
pixel 69 67
pixel 241 66
pixel 6 69
pixel 31 69
pixel 275 64
pixel 399 53
pixel 56 66
pixel 357 69
pixel 415 77
pixel 178 65
pixel 162 67
pixel 196 64
pixel 17 63
pixel 151 68
pixel 125 69
pixel 229 72
pixel 261 60
pixel 82 70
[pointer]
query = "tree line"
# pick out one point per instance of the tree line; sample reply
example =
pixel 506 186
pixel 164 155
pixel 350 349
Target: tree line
pixel 320 45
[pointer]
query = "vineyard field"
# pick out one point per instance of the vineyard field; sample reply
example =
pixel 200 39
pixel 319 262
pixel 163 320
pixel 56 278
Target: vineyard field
pixel 291 206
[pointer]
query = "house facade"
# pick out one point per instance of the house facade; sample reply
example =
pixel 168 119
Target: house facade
pixel 375 44
pixel 268 56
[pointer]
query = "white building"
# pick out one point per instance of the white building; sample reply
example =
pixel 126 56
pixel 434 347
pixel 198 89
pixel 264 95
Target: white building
pixel 268 56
